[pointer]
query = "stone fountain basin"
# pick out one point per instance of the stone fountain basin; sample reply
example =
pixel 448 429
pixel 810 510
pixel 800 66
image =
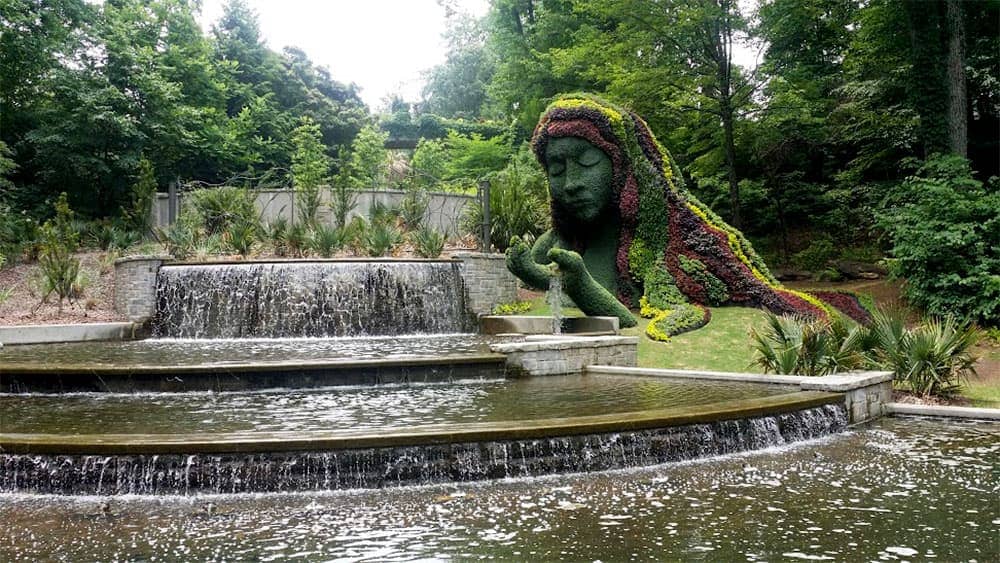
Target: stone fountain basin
pixel 426 435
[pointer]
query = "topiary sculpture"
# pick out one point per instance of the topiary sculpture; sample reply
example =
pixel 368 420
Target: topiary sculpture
pixel 625 234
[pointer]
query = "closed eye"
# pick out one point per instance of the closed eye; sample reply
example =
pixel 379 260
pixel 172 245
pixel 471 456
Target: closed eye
pixel 556 168
pixel 590 157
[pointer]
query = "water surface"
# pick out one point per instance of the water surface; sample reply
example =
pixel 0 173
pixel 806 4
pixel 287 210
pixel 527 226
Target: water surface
pixel 370 407
pixel 903 489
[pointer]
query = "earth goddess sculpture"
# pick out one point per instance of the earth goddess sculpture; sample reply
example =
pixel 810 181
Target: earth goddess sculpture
pixel 626 235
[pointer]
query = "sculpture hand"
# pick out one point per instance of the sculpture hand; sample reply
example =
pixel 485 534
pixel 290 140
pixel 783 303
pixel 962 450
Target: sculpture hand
pixel 519 262
pixel 591 297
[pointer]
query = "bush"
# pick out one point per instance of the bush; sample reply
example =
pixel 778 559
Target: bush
pixel 932 359
pixel 412 208
pixel 297 239
pixel 277 232
pixel 803 346
pixel 816 256
pixel 325 240
pixel 241 237
pixel 380 238
pixel 59 240
pixel 516 207
pixel 945 231
pixel 427 242
pixel 216 209
pixel 179 239
pixel 513 308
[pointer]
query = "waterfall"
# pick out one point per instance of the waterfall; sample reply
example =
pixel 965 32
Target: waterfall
pixel 554 300
pixel 405 465
pixel 296 299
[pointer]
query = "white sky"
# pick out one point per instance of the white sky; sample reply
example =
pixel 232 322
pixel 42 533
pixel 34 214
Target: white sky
pixel 380 45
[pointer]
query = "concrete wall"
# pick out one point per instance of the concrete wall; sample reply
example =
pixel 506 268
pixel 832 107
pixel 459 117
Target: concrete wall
pixel 43 334
pixel 553 355
pixel 444 211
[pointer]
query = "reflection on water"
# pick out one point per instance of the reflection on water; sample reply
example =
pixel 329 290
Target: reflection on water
pixel 902 489
pixel 361 407
pixel 187 352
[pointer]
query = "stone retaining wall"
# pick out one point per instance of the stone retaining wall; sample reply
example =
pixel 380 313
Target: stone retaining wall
pixel 135 286
pixel 553 355
pixel 487 281
pixel 867 394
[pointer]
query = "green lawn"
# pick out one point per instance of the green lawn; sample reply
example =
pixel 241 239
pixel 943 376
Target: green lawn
pixel 723 345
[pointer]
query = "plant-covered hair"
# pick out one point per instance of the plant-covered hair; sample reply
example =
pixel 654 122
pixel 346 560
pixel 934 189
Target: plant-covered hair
pixel 666 233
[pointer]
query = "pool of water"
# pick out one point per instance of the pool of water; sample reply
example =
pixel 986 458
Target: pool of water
pixel 361 407
pixel 902 489
pixel 192 352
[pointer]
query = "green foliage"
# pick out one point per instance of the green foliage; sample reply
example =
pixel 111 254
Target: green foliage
pixel 512 308
pixel 59 267
pixel 427 242
pixel 137 214
pixel 241 236
pixel 217 210
pixel 517 207
pixel 791 345
pixel 474 156
pixel 179 239
pixel 276 232
pixel 296 239
pixel 716 292
pixel 933 359
pixel 381 237
pixel 817 255
pixel 676 320
pixel 413 207
pixel 367 161
pixel 429 163
pixel 945 232
pixel 326 240
pixel 310 167
pixel 661 291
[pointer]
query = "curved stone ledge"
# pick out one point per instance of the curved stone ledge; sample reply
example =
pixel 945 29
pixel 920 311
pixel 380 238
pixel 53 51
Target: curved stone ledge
pixel 269 463
pixel 47 334
pixel 944 411
pixel 34 378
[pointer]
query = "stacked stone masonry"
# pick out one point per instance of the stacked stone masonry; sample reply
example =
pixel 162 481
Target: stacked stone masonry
pixel 487 281
pixel 135 286
pixel 559 356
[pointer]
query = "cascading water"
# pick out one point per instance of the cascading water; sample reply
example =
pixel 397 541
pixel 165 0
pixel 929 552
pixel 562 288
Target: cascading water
pixel 321 299
pixel 406 465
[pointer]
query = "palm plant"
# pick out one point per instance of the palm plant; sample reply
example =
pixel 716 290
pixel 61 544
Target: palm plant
pixel 326 240
pixel 793 345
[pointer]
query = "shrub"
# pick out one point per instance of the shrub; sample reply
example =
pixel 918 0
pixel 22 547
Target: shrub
pixel 383 214
pixel 241 237
pixel 277 233
pixel 216 209
pixel 59 240
pixel 412 208
pixel 137 214
pixel 297 239
pixel 932 359
pixel 326 240
pixel 816 256
pixel 805 346
pixel 179 239
pixel 427 242
pixel 516 209
pixel 380 238
pixel 512 308
pixel 945 233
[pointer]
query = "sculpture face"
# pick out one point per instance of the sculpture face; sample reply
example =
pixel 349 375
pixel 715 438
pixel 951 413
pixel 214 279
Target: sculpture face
pixel 580 176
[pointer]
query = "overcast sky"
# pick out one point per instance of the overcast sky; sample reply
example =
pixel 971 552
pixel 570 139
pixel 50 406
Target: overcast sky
pixel 380 45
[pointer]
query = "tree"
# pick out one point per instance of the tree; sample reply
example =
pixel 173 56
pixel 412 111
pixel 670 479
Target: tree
pixel 457 87
pixel 310 167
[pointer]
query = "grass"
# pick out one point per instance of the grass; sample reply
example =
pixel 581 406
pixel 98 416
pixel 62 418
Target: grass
pixel 723 345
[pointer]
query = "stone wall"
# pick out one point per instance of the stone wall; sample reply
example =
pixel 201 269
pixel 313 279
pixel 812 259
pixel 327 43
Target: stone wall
pixel 552 355
pixel 487 281
pixel 866 394
pixel 135 286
